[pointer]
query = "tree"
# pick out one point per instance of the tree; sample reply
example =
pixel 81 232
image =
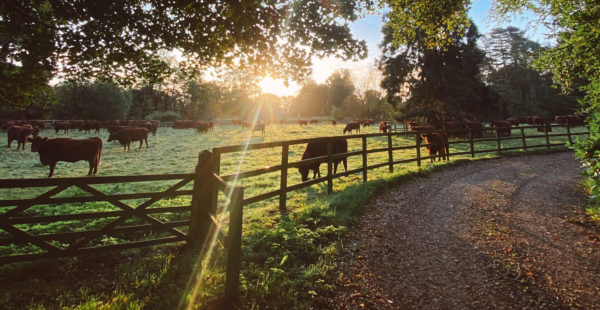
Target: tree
pixel 122 40
pixel 523 90
pixel 310 101
pixel 443 83
pixel 340 87
pixel 99 101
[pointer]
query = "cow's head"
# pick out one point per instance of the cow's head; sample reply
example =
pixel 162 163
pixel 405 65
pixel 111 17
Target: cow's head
pixel 112 137
pixel 304 172
pixel 346 129
pixel 37 142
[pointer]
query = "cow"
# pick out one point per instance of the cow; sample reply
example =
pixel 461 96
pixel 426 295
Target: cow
pixel 204 126
pixel 302 122
pixel 260 127
pixel 61 126
pixel 385 127
pixel 76 124
pixel 70 150
pixel 438 143
pixel 352 126
pixel 333 122
pixel 313 121
pixel 128 135
pixel 319 149
pixel 89 125
pixel 151 126
pixel 502 127
pixel 20 133
pixel 281 121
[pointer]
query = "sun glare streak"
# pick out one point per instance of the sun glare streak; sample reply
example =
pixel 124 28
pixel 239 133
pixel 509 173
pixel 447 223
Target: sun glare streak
pixel 204 265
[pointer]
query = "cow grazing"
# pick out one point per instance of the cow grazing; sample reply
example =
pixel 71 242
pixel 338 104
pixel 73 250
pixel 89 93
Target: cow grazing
pixel 20 133
pixel 259 127
pixel 319 149
pixel 352 126
pixel 438 143
pixel 204 126
pixel 302 122
pixel 128 135
pixel 70 150
pixel 89 125
pixel 61 126
pixel 385 127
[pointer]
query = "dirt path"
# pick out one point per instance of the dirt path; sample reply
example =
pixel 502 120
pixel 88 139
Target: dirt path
pixel 508 233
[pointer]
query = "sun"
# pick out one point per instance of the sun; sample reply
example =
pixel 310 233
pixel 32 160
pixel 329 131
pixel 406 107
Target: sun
pixel 277 87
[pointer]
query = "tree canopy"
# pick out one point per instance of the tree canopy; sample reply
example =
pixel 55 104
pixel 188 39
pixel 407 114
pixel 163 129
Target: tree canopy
pixel 122 40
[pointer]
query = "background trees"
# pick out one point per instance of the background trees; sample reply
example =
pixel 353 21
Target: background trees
pixel 101 101
pixel 438 83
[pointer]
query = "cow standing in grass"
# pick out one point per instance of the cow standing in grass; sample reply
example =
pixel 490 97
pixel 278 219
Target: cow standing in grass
pixel 318 149
pixel 70 150
pixel 21 133
pixel 127 135
pixel 438 144
pixel 352 126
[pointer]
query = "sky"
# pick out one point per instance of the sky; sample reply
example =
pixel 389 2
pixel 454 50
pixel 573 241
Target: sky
pixel 369 29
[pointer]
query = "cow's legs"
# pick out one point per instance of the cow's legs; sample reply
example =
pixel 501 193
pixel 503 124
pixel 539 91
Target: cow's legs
pixel 91 162
pixel 52 166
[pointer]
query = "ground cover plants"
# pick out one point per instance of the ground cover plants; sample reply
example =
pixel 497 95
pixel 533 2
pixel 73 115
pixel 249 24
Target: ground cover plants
pixel 287 256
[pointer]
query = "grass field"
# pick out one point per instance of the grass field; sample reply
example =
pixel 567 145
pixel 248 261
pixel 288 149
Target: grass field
pixel 288 257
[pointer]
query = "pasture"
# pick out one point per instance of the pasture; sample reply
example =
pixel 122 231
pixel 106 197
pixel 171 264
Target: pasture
pixel 284 253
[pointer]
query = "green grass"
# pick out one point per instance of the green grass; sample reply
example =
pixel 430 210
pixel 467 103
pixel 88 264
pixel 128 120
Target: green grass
pixel 288 256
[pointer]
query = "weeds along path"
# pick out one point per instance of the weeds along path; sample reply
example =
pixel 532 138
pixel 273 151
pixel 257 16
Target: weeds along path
pixel 507 233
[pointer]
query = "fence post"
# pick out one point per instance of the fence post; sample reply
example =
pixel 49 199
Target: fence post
pixel 234 252
pixel 390 155
pixel 329 166
pixel 498 140
pixel 200 221
pixel 283 181
pixel 364 158
pixel 418 145
pixel 471 143
pixel 523 139
pixel 546 128
pixel 214 194
pixel 569 133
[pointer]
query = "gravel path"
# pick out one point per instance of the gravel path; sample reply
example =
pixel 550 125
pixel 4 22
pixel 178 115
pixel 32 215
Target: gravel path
pixel 507 233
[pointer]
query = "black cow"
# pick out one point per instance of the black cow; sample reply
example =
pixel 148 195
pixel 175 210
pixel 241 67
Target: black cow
pixel 319 149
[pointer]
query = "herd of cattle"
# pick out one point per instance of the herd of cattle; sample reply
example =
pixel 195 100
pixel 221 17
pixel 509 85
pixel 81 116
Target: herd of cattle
pixel 126 132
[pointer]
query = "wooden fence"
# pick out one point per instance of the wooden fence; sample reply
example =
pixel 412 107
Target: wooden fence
pixel 207 183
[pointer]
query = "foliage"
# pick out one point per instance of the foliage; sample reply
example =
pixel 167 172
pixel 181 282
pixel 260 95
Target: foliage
pixel 100 101
pixel 522 89
pixel 168 116
pixel 147 100
pixel 340 87
pixel 438 83
pixel 310 101
pixel 123 41
pixel 204 100
pixel 432 22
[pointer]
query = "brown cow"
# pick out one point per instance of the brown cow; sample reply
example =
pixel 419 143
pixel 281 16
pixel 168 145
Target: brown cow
pixel 333 122
pixel 204 126
pixel 260 127
pixel 385 127
pixel 352 126
pixel 502 127
pixel 302 122
pixel 151 126
pixel 89 125
pixel 61 126
pixel 313 121
pixel 318 149
pixel 20 133
pixel 438 143
pixel 70 150
pixel 128 135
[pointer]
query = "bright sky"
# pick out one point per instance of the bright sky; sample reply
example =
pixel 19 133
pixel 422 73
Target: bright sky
pixel 369 29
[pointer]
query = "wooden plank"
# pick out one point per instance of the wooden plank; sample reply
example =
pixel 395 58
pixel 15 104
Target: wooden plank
pixel 418 147
pixel 26 237
pixel 498 141
pixel 364 158
pixel 66 236
pixel 346 173
pixel 390 154
pixel 89 250
pixel 26 205
pixel 569 134
pixel 329 166
pixel 82 199
pixel 547 137
pixel 250 173
pixel 234 251
pixel 307 183
pixel 284 176
pixel 379 150
pixel 403 161
pixel 18 183
pixel 523 138
pixel 398 148
pixel 377 166
pixel 471 145
pixel 264 196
